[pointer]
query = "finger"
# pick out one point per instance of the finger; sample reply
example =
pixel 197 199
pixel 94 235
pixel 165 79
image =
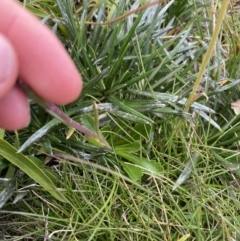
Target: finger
pixel 8 66
pixel 43 62
pixel 14 110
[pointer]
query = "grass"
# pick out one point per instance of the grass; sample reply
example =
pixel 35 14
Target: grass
pixel 172 173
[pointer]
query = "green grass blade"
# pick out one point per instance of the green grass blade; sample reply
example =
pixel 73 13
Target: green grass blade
pixel 38 134
pixel 31 169
pixel 148 166
pixel 7 192
pixel 130 110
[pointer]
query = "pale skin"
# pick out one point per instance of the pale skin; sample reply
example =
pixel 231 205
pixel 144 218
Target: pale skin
pixel 30 51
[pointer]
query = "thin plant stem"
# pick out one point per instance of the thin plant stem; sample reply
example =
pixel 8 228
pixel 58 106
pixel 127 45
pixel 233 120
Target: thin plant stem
pixel 55 111
pixel 129 13
pixel 208 54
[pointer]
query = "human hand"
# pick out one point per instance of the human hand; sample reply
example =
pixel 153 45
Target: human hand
pixel 29 51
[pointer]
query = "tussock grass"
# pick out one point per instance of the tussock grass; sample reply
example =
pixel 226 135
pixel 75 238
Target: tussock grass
pixel 173 173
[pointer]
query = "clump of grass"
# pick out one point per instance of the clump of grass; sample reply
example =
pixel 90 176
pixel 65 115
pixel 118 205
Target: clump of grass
pixel 171 174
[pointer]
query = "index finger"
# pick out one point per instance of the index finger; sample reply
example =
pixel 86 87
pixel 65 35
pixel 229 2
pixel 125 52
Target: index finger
pixel 43 62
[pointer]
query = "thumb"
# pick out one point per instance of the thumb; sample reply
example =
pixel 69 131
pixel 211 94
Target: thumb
pixel 8 66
